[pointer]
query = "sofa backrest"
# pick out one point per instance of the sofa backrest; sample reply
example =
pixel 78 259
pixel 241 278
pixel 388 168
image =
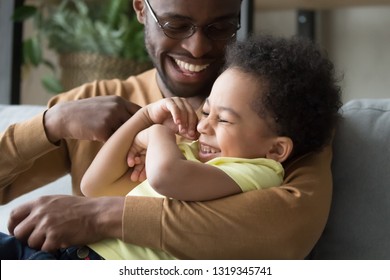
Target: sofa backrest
pixel 359 221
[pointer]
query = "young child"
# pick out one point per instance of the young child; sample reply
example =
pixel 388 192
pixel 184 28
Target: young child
pixel 276 100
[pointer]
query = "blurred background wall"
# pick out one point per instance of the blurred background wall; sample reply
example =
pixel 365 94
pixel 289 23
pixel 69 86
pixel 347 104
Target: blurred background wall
pixel 356 38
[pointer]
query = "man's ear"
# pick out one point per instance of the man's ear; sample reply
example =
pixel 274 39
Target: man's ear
pixel 139 9
pixel 281 149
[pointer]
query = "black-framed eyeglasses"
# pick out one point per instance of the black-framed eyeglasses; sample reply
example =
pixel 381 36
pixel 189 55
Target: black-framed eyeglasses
pixel 182 29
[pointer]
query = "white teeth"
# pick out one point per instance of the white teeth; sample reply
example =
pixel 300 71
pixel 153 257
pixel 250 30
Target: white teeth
pixel 190 67
pixel 208 150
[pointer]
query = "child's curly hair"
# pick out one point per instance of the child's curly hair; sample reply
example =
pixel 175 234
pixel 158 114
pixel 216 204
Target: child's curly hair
pixel 302 97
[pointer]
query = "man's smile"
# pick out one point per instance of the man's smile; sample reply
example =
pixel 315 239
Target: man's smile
pixel 187 67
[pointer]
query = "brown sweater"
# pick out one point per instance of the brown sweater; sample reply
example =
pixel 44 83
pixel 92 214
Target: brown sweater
pixel 277 223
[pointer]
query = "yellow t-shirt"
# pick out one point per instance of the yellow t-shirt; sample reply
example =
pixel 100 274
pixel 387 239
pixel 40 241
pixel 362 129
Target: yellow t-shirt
pixel 249 174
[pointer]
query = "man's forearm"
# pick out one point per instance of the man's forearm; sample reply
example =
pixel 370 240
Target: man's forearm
pixel 276 223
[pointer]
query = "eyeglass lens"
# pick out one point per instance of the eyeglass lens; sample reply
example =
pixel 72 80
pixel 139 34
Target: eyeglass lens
pixel 216 31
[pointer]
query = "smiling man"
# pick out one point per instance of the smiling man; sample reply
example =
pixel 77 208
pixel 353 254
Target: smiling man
pixel 186 41
pixel 187 53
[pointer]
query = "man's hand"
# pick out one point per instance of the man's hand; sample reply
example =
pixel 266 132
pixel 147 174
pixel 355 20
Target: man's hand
pixel 94 118
pixel 52 222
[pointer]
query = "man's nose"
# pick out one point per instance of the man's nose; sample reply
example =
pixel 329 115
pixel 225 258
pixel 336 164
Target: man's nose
pixel 198 44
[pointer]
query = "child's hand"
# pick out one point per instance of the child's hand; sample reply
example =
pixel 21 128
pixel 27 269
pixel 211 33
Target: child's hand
pixel 136 156
pixel 138 174
pixel 175 113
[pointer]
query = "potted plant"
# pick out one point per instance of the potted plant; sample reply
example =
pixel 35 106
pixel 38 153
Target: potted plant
pixel 99 39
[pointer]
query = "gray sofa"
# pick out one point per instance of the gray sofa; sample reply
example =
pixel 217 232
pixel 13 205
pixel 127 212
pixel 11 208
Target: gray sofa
pixel 359 221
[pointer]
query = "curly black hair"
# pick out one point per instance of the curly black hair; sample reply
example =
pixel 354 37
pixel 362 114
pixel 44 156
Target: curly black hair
pixel 302 93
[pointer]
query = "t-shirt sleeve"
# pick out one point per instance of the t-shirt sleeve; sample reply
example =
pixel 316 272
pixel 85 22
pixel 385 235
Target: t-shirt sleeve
pixel 251 174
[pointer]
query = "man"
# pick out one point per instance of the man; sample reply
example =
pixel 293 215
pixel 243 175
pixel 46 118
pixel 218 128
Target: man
pixel 186 41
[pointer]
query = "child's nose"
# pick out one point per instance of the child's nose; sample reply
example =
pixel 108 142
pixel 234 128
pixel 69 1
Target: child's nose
pixel 203 126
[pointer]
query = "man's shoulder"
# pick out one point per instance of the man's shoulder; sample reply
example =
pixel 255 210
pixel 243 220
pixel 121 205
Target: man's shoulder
pixel 147 76
pixel 141 89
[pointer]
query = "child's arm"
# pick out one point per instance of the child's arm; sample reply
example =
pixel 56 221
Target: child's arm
pixel 109 172
pixel 170 174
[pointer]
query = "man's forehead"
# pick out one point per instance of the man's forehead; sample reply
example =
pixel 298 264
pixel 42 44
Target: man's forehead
pixel 197 8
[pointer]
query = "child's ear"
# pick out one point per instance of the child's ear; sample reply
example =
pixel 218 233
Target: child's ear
pixel 139 9
pixel 281 149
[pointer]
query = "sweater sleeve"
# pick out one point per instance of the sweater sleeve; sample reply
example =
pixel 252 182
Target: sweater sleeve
pixel 28 160
pixel 276 223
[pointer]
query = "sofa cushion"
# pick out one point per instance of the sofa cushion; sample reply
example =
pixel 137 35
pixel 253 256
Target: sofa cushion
pixel 359 221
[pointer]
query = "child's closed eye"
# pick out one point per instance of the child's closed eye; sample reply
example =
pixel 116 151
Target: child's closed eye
pixel 223 120
pixel 204 113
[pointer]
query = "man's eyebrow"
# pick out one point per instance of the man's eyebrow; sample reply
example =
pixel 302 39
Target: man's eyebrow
pixel 170 15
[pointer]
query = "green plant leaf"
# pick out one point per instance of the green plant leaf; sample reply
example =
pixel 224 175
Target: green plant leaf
pixel 52 84
pixel 106 27
pixel 32 51
pixel 82 8
pixel 49 64
pixel 115 10
pixel 24 12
